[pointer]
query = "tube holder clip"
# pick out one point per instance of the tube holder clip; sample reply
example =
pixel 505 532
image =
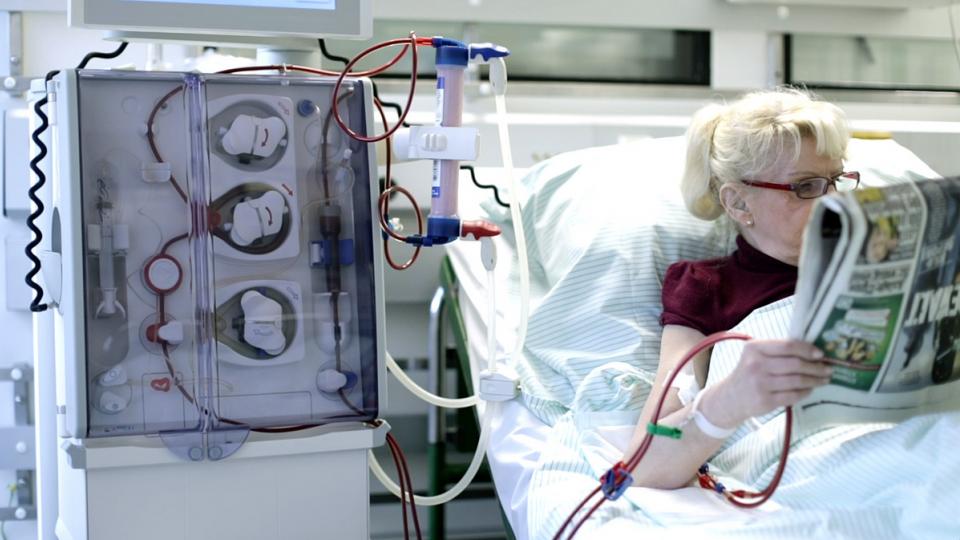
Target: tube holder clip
pixel 497 386
pixel 437 142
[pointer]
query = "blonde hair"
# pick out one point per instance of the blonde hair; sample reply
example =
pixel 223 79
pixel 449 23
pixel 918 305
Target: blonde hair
pixel 727 143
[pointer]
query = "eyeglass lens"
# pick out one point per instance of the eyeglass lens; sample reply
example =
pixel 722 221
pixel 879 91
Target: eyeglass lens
pixel 847 181
pixel 811 187
pixel 815 187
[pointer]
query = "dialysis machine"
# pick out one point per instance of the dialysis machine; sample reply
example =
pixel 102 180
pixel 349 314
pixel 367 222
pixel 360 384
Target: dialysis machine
pixel 212 252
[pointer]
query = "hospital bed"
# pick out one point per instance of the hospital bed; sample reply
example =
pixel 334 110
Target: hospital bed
pixel 458 324
pixel 602 226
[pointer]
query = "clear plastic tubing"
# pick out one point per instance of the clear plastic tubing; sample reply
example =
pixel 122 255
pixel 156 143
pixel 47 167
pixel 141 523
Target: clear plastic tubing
pixel 461 485
pixel 446 172
pixel 516 216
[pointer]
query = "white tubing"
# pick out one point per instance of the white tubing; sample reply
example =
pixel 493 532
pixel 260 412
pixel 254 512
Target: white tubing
pixel 491 322
pixel 515 215
pixel 491 408
pixel 457 489
pixel 417 390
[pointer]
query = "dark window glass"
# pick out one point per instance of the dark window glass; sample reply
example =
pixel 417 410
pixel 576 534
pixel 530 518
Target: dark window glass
pixel 557 53
pixel 871 62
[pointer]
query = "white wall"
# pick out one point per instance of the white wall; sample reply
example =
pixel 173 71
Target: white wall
pixel 689 14
pixel 15 325
pixel 16 337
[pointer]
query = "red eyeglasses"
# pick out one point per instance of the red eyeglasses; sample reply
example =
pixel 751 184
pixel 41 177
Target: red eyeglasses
pixel 811 188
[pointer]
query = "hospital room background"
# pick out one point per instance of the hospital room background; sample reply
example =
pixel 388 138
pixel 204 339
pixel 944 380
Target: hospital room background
pixel 580 75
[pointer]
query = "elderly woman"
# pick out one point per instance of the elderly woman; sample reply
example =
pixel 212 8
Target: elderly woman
pixel 761 162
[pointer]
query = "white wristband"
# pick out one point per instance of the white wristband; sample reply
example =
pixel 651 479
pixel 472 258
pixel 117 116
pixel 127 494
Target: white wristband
pixel 707 427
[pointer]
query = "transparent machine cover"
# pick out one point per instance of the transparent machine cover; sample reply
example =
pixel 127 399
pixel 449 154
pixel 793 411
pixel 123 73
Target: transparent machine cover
pixel 230 268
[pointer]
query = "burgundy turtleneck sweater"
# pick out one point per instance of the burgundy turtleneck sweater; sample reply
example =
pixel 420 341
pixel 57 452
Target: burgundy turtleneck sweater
pixel 716 294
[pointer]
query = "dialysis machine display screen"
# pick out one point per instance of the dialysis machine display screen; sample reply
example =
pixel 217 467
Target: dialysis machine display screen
pixel 295 4
pixel 221 21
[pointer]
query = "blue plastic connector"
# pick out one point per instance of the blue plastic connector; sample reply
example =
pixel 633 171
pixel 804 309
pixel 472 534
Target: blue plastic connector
pixel 452 55
pixel 487 51
pixel 321 253
pixel 440 41
pixel 615 481
pixel 443 230
pixel 440 231
pixel 306 108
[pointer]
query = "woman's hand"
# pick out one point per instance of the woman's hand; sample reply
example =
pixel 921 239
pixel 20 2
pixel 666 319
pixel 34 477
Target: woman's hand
pixel 770 374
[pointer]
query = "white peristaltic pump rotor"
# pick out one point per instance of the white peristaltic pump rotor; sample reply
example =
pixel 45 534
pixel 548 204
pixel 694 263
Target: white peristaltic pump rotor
pixel 263 322
pixel 256 218
pixel 249 135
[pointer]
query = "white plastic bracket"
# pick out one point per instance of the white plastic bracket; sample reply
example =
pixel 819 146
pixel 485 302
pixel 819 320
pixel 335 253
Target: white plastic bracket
pixel 497 386
pixel 437 142
pixel 153 172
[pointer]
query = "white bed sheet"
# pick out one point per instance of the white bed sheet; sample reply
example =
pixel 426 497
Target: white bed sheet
pixel 517 435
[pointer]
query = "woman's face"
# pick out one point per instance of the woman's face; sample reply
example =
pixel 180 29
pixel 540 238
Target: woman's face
pixel 779 217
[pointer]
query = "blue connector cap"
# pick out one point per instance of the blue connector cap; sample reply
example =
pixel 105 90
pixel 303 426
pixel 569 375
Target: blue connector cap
pixel 351 380
pixel 321 253
pixel 306 108
pixel 487 51
pixel 440 230
pixel 443 229
pixel 452 55
pixel 440 41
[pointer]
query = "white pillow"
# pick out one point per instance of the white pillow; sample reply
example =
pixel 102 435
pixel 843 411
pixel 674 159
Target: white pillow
pixel 602 226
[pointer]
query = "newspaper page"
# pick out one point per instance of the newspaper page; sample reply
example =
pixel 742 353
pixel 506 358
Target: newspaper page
pixel 879 293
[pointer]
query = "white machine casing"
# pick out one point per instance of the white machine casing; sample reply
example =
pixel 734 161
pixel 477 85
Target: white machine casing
pixel 161 441
pixel 268 23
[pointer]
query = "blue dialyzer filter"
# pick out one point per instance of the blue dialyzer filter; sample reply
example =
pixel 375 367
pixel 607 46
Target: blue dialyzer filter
pixel 443 220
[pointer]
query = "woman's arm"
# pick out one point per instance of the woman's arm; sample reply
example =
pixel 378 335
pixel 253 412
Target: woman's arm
pixel 770 374
pixel 674 343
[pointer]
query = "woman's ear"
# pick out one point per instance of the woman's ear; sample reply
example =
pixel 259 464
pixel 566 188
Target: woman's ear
pixel 735 204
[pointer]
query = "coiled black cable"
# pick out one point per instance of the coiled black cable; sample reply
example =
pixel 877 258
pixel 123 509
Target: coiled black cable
pixel 35 304
pixel 330 56
pixel 106 56
pixel 496 192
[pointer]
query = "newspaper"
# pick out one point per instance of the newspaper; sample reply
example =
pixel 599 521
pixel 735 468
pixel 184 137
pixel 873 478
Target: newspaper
pixel 879 293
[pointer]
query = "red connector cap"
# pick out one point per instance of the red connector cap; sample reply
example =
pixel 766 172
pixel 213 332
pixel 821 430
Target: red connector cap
pixel 478 229
pixel 153 333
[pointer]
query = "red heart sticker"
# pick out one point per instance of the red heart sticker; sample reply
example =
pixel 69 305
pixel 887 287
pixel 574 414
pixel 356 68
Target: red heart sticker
pixel 160 385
